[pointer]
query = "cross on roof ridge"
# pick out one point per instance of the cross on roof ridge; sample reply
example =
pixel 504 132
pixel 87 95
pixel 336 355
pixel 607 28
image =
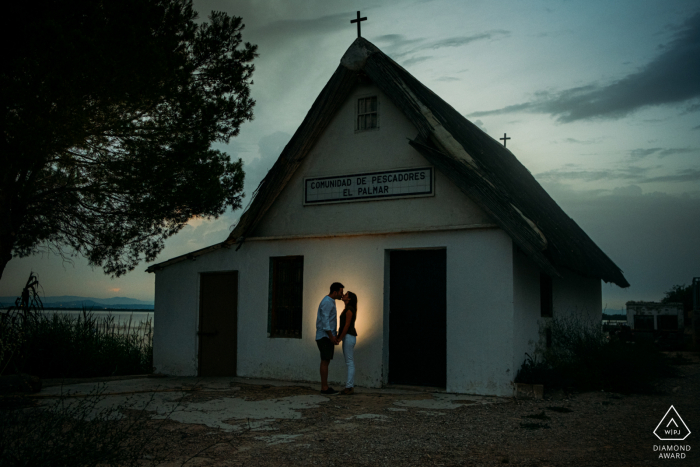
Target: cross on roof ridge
pixel 504 139
pixel 358 21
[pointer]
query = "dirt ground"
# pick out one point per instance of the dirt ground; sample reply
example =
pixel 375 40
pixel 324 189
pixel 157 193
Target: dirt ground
pixel 373 429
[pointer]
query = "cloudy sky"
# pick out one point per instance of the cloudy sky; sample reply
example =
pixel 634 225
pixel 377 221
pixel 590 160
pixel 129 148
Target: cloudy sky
pixel 601 100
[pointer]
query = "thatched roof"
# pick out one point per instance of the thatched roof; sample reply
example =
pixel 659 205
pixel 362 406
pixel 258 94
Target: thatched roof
pixel 480 166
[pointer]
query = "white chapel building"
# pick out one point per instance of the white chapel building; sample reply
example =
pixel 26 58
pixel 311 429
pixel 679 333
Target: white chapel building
pixel 457 255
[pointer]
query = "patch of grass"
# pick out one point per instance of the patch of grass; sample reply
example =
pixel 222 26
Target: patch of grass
pixel 581 358
pixel 538 416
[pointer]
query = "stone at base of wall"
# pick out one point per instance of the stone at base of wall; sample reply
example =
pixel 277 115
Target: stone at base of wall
pixel 529 391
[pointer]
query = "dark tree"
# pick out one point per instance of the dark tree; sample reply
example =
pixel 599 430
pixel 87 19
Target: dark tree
pixel 680 294
pixel 109 111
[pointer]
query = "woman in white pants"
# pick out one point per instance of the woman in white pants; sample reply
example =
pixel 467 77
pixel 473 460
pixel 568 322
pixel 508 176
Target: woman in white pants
pixel 348 335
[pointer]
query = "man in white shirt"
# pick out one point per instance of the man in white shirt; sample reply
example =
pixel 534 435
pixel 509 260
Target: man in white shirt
pixel 326 326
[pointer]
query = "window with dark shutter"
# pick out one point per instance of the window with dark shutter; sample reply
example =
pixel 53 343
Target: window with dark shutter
pixel 286 289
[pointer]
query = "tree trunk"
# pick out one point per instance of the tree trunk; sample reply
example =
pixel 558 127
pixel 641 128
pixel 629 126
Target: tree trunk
pixel 6 244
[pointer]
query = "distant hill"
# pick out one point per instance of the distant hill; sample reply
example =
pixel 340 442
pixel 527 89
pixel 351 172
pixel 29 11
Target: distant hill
pixel 71 301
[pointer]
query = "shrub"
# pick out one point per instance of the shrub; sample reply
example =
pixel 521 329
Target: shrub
pixel 72 431
pixel 581 357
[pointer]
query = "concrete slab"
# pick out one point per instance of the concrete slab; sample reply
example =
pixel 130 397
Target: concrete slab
pixel 163 398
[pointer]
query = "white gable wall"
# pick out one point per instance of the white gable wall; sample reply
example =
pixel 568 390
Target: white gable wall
pixel 341 150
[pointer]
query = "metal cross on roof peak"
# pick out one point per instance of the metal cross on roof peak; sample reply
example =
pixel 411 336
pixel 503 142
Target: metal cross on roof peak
pixel 358 20
pixel 504 139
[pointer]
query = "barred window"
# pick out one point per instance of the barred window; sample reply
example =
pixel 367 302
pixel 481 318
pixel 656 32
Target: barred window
pixel 367 113
pixel 285 299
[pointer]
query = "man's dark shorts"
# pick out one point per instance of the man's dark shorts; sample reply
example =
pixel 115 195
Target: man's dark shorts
pixel 326 347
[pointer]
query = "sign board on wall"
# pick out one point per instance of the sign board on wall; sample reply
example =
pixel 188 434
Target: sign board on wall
pixel 389 184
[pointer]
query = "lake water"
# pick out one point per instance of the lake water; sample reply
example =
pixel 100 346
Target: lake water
pixel 122 316
pixel 118 321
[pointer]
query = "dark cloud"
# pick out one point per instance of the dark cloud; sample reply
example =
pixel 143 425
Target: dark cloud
pixel 394 45
pixel 694 107
pixel 642 153
pixel 414 60
pixel 525 107
pixel 686 175
pixel 672 77
pixel 291 28
pixel 660 152
pixel 448 79
pixel 481 125
pixel 637 174
pixel 464 40
pixel 398 46
pixel 567 174
pixel 578 141
pixel 674 151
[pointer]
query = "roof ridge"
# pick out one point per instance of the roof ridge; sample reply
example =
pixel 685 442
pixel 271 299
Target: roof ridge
pixel 482 168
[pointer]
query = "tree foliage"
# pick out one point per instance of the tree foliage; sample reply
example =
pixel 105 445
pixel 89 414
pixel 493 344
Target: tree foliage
pixel 680 294
pixel 109 112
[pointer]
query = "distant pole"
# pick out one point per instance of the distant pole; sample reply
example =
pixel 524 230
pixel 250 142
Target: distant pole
pixel 504 139
pixel 358 21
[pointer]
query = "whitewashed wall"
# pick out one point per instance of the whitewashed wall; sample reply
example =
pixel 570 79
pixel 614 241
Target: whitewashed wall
pixel 655 309
pixel 479 304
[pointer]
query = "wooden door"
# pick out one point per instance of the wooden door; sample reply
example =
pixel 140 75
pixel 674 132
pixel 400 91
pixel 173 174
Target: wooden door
pixel 418 317
pixel 218 324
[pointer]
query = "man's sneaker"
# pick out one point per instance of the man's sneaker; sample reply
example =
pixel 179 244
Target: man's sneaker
pixel 329 391
pixel 348 392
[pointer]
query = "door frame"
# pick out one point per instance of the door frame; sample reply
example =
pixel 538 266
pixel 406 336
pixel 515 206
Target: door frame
pixel 198 341
pixel 387 304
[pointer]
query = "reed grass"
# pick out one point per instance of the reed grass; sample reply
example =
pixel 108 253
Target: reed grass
pixel 65 346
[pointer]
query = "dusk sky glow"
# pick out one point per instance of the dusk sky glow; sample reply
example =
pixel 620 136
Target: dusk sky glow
pixel 601 100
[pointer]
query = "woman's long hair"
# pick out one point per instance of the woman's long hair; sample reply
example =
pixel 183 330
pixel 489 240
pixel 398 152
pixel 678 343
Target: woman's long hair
pixel 352 304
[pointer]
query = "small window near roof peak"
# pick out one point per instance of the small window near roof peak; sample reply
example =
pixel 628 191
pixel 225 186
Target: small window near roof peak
pixel 367 113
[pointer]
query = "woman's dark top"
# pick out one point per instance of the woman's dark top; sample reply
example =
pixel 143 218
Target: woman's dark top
pixel 351 328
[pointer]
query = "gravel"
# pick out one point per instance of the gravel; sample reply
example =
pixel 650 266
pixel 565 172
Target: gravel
pixel 587 429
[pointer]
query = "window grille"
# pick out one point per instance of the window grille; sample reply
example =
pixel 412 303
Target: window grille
pixel 286 290
pixel 367 114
